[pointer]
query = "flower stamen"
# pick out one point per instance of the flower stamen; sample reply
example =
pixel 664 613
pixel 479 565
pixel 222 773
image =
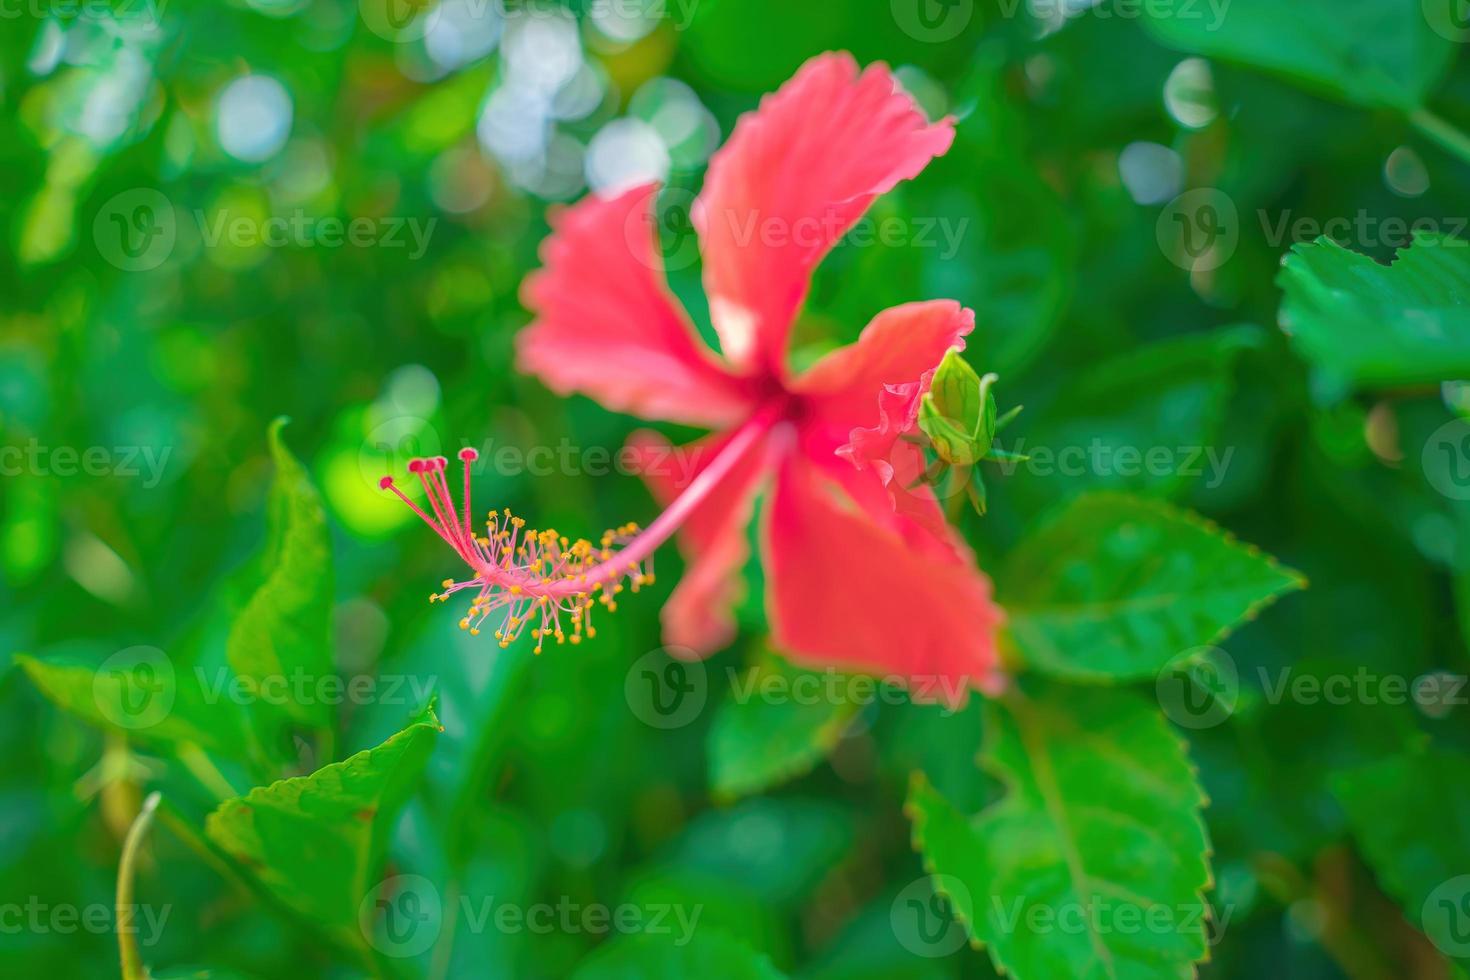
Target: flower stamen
pixel 524 578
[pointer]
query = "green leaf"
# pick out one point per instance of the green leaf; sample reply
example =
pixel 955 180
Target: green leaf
pixel 1144 421
pixel 316 842
pixel 775 724
pixel 1115 587
pixel 1361 323
pixel 1366 52
pixel 285 629
pixel 1411 817
pixel 642 956
pixel 140 692
pixel 1095 862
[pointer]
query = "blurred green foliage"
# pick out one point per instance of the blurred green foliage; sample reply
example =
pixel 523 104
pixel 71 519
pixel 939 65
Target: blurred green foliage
pixel 220 214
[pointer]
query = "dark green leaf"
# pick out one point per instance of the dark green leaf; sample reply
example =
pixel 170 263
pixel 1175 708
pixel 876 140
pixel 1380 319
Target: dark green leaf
pixel 1361 323
pixel 1116 587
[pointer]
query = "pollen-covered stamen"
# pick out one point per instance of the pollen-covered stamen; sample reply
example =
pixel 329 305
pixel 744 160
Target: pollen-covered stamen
pixel 526 579
pixel 543 581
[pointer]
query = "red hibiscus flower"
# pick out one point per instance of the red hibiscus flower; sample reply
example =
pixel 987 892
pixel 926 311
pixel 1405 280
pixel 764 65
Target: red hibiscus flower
pixel 861 573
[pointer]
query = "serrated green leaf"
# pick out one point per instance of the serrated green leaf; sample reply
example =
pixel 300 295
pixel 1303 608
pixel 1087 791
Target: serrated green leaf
pixel 1366 52
pixel 285 628
pixel 663 957
pixel 316 842
pixel 1411 817
pixel 775 724
pixel 1115 587
pixel 142 695
pixel 1095 862
pixel 1361 323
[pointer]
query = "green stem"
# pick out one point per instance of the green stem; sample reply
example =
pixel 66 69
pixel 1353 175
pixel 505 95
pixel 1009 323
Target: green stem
pixel 1450 137
pixel 204 770
pixel 127 938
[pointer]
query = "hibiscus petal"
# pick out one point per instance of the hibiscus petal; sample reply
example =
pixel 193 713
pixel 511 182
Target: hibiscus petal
pixel 713 539
pixel 606 325
pixel 794 177
pixel 844 591
pixel 903 345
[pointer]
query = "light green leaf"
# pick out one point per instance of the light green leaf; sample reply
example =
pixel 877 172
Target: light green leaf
pixel 1370 325
pixel 1366 52
pixel 776 723
pixel 141 693
pixel 285 628
pixel 1095 862
pixel 1411 817
pixel 1145 421
pixel 316 842
pixel 1115 587
pixel 641 956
